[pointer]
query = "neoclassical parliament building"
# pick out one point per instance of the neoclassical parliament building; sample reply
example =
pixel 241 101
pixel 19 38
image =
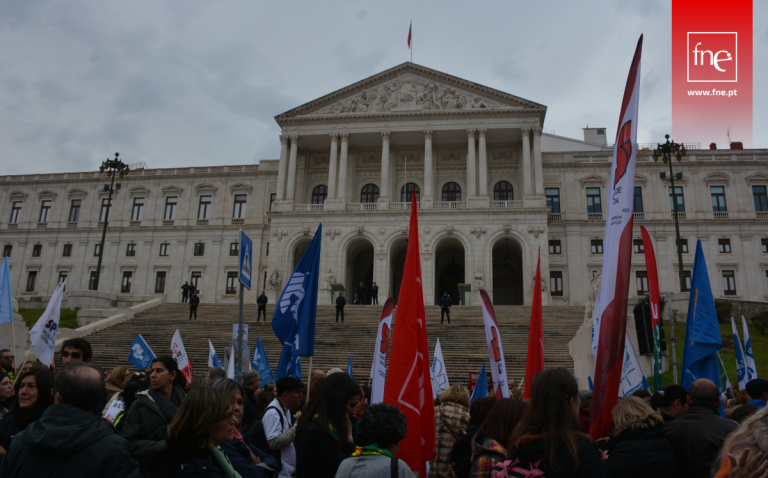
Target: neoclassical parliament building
pixel 493 187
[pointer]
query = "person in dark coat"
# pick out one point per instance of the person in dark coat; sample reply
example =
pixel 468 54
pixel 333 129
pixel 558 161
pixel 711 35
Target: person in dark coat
pixel 69 440
pixel 697 435
pixel 262 303
pixel 185 292
pixel 193 303
pixel 445 307
pixel 340 303
pixel 251 384
pixel 639 449
pixel 672 402
pixel 361 293
pixel 29 405
pixel 375 294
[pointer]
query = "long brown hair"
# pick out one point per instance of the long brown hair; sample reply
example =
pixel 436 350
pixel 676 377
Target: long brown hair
pixel 199 415
pixel 501 420
pixel 117 377
pixel 550 418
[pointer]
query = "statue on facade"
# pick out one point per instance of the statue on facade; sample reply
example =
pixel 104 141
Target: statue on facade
pixel 478 281
pixel 594 291
pixel 543 283
pixel 329 279
pixel 274 280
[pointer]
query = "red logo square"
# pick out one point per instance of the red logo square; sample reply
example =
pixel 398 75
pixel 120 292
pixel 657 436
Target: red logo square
pixel 712 57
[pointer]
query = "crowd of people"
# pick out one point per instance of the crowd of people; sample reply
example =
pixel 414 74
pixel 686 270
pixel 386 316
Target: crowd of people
pixel 59 423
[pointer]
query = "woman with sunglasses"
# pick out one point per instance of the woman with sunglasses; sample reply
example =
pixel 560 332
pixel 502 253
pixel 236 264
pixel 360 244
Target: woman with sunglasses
pixel 34 396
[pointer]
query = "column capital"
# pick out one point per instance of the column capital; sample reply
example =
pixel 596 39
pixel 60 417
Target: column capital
pixel 471 133
pixel 428 133
pixel 481 132
pixel 334 136
pixel 525 130
pixel 284 139
pixel 344 137
pixel 385 135
pixel 295 139
pixel 537 130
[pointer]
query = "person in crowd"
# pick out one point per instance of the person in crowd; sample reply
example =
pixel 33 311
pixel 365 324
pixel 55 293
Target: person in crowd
pixel 750 438
pixel 697 435
pixel 461 452
pixel 27 366
pixel 75 350
pixel 146 423
pixel 362 405
pixel 116 381
pixel 263 399
pixel 340 303
pixel 261 302
pixel 68 440
pixel 757 390
pixel 378 436
pixel 248 460
pixel 643 395
pixel 6 363
pixel 215 372
pixel 279 425
pixel 34 396
pixel 185 292
pixel 135 385
pixel 742 398
pixel 196 382
pixel 193 303
pixel 271 388
pixel 585 397
pixel 488 445
pixel 324 432
pixel 251 384
pixel 672 402
pixel 375 294
pixel 638 447
pixel 361 293
pixel 204 421
pixel 451 418
pixel 445 307
pixel 741 413
pixel 6 393
pixel 550 430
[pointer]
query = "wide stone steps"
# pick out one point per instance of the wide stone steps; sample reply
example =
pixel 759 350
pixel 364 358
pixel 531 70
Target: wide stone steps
pixel 462 342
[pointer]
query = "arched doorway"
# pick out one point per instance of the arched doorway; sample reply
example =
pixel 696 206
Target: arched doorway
pixel 507 272
pixel 298 252
pixel 397 265
pixel 449 268
pixel 359 268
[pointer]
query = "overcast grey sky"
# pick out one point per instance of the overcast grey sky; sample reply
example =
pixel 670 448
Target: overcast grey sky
pixel 179 83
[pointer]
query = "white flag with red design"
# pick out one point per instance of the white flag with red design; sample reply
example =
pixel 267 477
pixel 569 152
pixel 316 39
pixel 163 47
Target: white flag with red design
pixel 383 336
pixel 495 350
pixel 179 354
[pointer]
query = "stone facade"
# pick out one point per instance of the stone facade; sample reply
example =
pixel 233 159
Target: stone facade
pixel 485 172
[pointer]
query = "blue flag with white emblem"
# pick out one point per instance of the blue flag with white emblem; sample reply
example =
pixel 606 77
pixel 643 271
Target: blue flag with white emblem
pixel 289 364
pixel 141 355
pixel 481 387
pixel 261 364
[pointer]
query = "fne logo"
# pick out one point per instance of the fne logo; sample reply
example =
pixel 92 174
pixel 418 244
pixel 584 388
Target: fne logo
pixel 712 57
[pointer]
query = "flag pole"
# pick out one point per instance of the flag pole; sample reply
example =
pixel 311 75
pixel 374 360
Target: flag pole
pixel 309 380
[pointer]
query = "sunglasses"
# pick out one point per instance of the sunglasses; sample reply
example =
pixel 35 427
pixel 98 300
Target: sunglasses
pixel 74 355
pixel 9 357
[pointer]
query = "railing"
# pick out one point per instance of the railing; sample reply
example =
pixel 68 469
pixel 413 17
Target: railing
pixel 72 225
pixel 13 225
pixel 238 222
pixel 168 222
pixel 362 206
pixel 504 204
pixel 307 207
pixel 135 223
pixel 758 215
pixel 555 216
pixel 638 215
pixel 202 222
pixel 720 215
pixel 595 216
pixel 403 205
pixel 449 205
pixel 680 216
pixel 42 225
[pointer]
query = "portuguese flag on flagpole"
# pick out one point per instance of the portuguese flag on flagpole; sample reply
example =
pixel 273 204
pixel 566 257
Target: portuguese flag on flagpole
pixel 410 30
pixel 653 289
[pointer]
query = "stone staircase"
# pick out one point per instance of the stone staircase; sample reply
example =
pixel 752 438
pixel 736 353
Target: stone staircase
pixel 462 342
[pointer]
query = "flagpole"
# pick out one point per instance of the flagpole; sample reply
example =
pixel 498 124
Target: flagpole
pixel 309 379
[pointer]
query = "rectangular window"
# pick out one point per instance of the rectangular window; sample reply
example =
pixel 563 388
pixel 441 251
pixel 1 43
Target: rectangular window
pixel 15 212
pixel 105 207
pixel 97 250
pixel 37 250
pixel 597 246
pixel 170 208
pixel 553 199
pixel 164 249
pixel 680 200
pixel 195 281
pixel 31 280
pixel 92 281
pixel 125 287
pixel 231 282
pixel 74 210
pixel 130 251
pixel 200 249
pixel 7 250
pixel 63 277
pixel 138 209
pixel 642 282
pixel 687 279
pixel 638 199
pixel 160 282
pixel 637 246
pixel 272 198
pixel 554 247
pixel 684 245
pixel 556 283
pixel 729 283
pixel 239 211
pixel 593 200
pixel 267 249
pixel 718 198
pixel 760 197
pixel 204 209
pixel 764 245
pixel 724 246
pixel 67 252
pixel 45 211
pixel 234 249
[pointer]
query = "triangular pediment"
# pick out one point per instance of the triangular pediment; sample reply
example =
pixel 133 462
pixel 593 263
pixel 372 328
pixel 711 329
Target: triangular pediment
pixel 410 89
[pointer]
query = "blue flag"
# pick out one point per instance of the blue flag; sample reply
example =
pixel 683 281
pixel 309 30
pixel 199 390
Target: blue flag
pixel 141 355
pixel 741 365
pixel 6 299
pixel 702 332
pixel 261 364
pixel 349 367
pixel 295 313
pixel 481 387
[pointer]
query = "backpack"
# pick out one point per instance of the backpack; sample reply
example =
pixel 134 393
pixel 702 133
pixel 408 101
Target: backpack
pixel 255 433
pixel 518 469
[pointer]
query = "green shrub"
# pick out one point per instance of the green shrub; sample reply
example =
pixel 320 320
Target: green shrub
pixel 724 310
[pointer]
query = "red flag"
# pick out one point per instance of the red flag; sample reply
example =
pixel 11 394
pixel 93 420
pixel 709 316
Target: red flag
pixel 535 360
pixel 617 255
pixel 408 382
pixel 410 29
pixel 653 288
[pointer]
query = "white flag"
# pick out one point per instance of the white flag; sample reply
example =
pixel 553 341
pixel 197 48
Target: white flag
pixel 438 370
pixel 632 374
pixel 383 337
pixel 748 357
pixel 231 365
pixel 495 350
pixel 179 354
pixel 741 367
pixel 42 337
pixel 596 325
pixel 435 386
pixel 213 358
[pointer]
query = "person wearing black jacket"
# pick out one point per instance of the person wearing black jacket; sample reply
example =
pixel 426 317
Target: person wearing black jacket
pixel 185 292
pixel 193 303
pixel 445 307
pixel 461 451
pixel 361 293
pixel 251 383
pixel 340 303
pixel 262 303
pixel 375 294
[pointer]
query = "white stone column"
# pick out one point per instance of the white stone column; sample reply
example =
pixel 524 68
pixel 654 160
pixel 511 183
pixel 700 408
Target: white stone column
pixel 537 162
pixel 282 167
pixel 471 166
pixel 483 160
pixel 527 179
pixel 332 165
pixel 291 186
pixel 343 166
pixel 384 189
pixel 429 179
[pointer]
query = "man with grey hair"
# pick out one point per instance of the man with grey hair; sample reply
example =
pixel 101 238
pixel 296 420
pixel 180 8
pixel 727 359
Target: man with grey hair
pixel 252 385
pixel 69 439
pixel 334 370
pixel 697 435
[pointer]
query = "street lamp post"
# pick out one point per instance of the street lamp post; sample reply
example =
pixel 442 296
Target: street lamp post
pixel 113 167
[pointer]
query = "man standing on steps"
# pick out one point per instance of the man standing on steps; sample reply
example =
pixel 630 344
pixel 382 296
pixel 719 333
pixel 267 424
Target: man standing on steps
pixel 360 293
pixel 262 303
pixel 340 303
pixel 185 292
pixel 375 294
pixel 445 307
pixel 193 305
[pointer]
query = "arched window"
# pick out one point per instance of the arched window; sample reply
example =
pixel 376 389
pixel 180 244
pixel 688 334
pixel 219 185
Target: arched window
pixel 319 194
pixel 409 189
pixel 369 193
pixel 451 192
pixel 502 191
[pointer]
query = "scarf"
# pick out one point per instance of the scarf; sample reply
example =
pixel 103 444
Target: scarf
pixel 223 462
pixel 330 426
pixel 167 407
pixel 372 449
